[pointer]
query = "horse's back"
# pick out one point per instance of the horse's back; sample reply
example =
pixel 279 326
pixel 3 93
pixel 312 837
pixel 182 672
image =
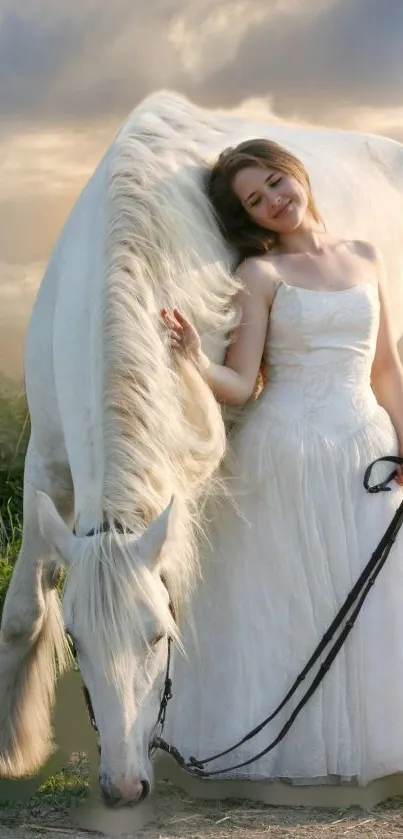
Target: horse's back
pixel 63 351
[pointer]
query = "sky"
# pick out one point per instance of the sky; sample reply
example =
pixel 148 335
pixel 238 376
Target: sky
pixel 71 72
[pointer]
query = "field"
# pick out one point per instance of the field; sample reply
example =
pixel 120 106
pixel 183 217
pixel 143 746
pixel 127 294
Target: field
pixel 52 812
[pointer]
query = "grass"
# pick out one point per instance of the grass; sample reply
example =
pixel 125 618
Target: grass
pixel 14 431
pixel 53 800
pixel 10 527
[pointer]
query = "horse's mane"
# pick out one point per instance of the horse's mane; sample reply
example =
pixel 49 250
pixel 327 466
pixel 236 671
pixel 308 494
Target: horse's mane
pixel 163 430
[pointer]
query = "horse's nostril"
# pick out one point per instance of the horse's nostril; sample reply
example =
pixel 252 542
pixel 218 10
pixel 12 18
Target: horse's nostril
pixel 115 797
pixel 145 791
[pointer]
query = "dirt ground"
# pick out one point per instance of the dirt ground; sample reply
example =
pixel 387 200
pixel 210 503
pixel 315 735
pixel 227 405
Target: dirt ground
pixel 173 814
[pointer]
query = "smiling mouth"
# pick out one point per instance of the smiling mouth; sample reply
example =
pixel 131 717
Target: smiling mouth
pixel 283 209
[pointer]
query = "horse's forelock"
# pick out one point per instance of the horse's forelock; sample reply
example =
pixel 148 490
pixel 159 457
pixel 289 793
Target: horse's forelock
pixel 109 588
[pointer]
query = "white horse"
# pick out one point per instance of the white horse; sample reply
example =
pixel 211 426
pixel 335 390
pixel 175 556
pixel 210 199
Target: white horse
pixel 119 426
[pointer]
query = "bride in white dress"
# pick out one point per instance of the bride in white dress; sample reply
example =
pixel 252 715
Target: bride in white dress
pixel 314 308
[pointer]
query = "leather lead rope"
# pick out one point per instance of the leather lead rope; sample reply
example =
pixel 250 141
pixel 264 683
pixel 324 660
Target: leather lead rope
pixel 357 596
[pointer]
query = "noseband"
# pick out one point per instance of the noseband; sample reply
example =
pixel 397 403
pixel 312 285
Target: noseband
pixel 347 614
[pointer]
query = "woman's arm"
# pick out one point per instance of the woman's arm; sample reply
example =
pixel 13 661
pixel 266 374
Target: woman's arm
pixel 234 381
pixel 387 371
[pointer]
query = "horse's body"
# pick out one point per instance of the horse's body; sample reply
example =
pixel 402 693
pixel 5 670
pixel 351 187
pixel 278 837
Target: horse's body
pixel 117 429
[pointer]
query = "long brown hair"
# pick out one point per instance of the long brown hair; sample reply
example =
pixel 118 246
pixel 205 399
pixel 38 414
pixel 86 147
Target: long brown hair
pixel 237 227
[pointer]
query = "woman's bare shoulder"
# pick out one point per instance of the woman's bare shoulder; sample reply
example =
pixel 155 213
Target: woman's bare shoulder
pixel 364 249
pixel 258 269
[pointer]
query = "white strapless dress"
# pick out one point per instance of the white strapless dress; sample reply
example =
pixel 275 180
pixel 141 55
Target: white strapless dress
pixel 278 568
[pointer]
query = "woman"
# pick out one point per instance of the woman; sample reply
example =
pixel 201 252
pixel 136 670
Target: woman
pixel 314 308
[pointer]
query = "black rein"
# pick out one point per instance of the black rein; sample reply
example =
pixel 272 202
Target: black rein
pixel 356 599
pixel 351 606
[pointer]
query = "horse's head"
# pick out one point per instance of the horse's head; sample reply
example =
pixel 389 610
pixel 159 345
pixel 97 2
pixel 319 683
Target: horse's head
pixel 118 613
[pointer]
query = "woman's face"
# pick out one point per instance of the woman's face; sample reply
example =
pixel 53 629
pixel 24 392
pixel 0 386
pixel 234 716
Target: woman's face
pixel 273 199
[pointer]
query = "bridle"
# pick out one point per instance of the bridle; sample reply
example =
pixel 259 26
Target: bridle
pixel 347 614
pixel 103 527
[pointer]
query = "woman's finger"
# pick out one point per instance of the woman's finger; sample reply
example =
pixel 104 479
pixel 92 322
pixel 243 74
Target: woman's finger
pixel 171 324
pixel 180 318
pixel 166 316
pixel 174 324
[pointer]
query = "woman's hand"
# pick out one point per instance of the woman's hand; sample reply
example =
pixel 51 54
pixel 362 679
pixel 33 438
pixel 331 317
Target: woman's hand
pixel 183 336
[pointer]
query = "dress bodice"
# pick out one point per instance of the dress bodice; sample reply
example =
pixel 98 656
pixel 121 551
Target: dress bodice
pixel 320 348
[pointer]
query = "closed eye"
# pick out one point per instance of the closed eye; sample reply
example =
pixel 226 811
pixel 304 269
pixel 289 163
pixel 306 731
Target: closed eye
pixel 275 183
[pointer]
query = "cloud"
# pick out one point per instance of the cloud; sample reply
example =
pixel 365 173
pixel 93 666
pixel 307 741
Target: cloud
pixel 208 35
pixel 338 55
pixel 50 162
pixel 92 59
pixel 42 172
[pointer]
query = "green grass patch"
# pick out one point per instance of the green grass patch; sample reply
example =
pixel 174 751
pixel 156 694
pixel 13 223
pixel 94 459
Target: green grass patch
pixel 14 434
pixel 14 427
pixel 53 799
pixel 10 530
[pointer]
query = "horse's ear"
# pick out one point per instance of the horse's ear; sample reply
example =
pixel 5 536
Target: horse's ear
pixel 54 529
pixel 151 542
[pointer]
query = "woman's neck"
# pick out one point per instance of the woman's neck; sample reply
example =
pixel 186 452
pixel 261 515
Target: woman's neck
pixel 306 239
